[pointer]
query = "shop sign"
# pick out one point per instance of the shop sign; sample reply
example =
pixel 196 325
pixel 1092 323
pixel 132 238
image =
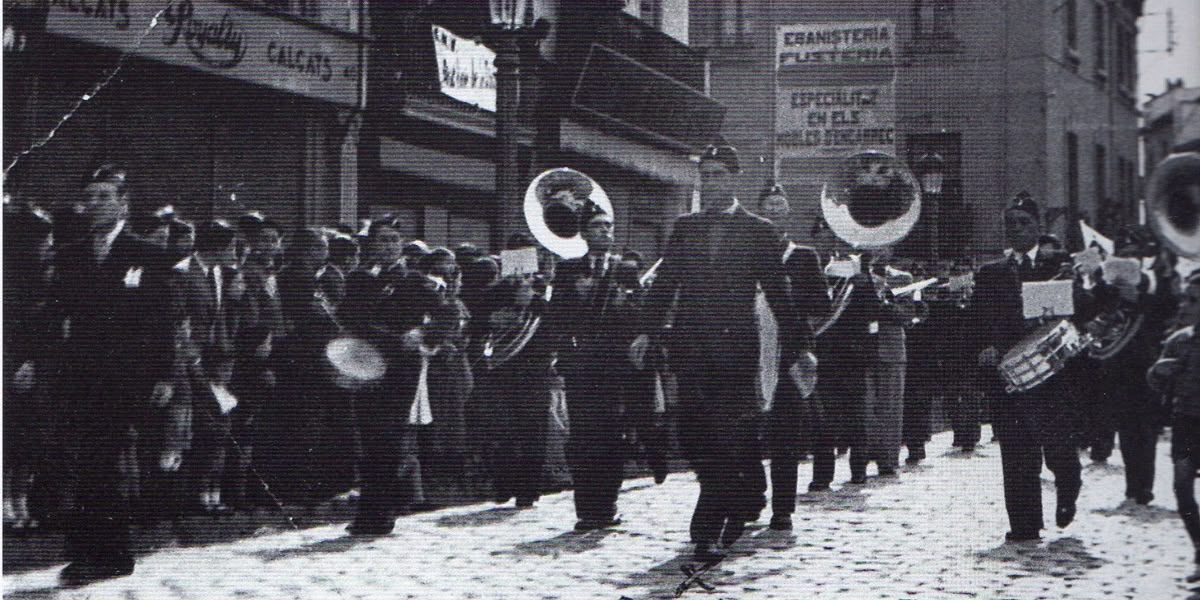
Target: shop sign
pixel 466 69
pixel 834 120
pixel 866 43
pixel 219 38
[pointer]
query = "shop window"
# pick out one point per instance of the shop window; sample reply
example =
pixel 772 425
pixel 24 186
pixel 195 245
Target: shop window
pixel 339 14
pixel 1101 172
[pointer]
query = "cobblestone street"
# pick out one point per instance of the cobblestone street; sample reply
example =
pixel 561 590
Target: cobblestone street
pixel 936 532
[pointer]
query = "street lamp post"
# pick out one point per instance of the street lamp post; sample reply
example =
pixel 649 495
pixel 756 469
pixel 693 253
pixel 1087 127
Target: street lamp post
pixel 511 36
pixel 931 169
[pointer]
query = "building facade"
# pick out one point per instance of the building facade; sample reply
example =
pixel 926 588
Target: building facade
pixel 1170 118
pixel 1011 95
pixel 604 91
pixel 215 107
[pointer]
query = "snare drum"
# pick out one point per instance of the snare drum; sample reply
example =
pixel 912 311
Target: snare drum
pixel 1040 355
pixel 355 362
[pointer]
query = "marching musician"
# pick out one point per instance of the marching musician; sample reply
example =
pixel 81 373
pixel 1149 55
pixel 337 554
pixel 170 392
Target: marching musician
pixel 714 264
pixel 1043 421
pixel 793 423
pixel 1123 402
pixel 592 332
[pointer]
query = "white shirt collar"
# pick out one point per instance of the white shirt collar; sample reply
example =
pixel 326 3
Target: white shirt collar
pixel 733 207
pixel 111 236
pixel 1032 253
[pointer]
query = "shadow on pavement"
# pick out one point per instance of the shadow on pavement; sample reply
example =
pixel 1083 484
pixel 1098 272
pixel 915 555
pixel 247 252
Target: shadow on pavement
pixel 489 516
pixel 662 580
pixel 38 594
pixel 1064 557
pixel 564 543
pixel 1102 468
pixel 331 546
pixel 1138 512
pixel 848 498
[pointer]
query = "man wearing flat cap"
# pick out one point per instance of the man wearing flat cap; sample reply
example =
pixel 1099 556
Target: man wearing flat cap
pixel 702 310
pixel 1037 424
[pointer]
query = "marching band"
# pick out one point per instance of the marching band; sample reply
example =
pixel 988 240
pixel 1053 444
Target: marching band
pixel 237 369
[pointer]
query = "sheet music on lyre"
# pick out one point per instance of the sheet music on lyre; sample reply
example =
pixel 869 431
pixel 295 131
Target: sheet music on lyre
pixel 1047 298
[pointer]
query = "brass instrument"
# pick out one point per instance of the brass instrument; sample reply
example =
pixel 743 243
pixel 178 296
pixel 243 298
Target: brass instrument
pixel 1173 211
pixel 1173 203
pixel 556 201
pixel 873 202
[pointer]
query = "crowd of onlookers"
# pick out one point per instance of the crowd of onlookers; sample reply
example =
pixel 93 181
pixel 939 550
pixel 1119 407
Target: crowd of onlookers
pixel 242 406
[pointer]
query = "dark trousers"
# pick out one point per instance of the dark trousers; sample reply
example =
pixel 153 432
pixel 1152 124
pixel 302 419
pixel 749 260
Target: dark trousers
pixel 719 426
pixel 516 452
pixel 381 413
pixel 965 405
pixel 1139 438
pixel 596 449
pixel 1031 429
pixel 791 434
pixel 99 426
pixel 732 487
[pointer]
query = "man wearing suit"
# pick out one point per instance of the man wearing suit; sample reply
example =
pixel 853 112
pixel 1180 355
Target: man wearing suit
pixel 791 429
pixel 592 333
pixel 114 323
pixel 1041 423
pixel 714 264
pixel 200 306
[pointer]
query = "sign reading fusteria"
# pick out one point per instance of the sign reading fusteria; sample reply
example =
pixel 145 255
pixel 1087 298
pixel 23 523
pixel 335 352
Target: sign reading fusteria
pixel 835 90
pixel 814 44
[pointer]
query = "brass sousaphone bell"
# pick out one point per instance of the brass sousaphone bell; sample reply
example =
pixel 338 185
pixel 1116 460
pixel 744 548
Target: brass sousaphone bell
pixel 555 203
pixel 1173 203
pixel 872 201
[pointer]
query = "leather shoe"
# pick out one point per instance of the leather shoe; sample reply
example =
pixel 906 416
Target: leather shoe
pixel 525 502
pixel 1022 536
pixel 586 525
pixel 781 522
pixel 707 554
pixel 858 479
pixel 1063 515
pixel 818 487
pixel 82 573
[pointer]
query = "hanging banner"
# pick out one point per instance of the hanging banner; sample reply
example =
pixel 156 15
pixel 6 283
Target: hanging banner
pixel 866 43
pixel 466 69
pixel 829 120
pixel 223 39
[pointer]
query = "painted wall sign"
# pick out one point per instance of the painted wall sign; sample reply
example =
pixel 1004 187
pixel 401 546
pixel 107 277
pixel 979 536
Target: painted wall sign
pixel 823 120
pixel 466 69
pixel 220 38
pixel 839 44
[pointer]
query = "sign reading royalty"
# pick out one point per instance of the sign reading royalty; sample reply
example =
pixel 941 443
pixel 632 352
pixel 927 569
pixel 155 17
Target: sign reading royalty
pixel 213 36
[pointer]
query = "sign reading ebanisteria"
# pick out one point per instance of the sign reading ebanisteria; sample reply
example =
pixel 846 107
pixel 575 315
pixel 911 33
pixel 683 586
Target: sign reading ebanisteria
pixel 846 43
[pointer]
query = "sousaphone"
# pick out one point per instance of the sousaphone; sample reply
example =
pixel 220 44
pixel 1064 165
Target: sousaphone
pixel 872 201
pixel 1173 203
pixel 556 202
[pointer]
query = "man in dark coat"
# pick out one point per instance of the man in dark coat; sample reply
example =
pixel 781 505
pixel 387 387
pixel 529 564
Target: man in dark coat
pixel 715 263
pixel 793 420
pixel 592 333
pixel 116 330
pixel 200 307
pixel 1042 422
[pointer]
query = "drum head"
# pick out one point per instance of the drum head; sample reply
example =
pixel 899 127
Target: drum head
pixel 355 359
